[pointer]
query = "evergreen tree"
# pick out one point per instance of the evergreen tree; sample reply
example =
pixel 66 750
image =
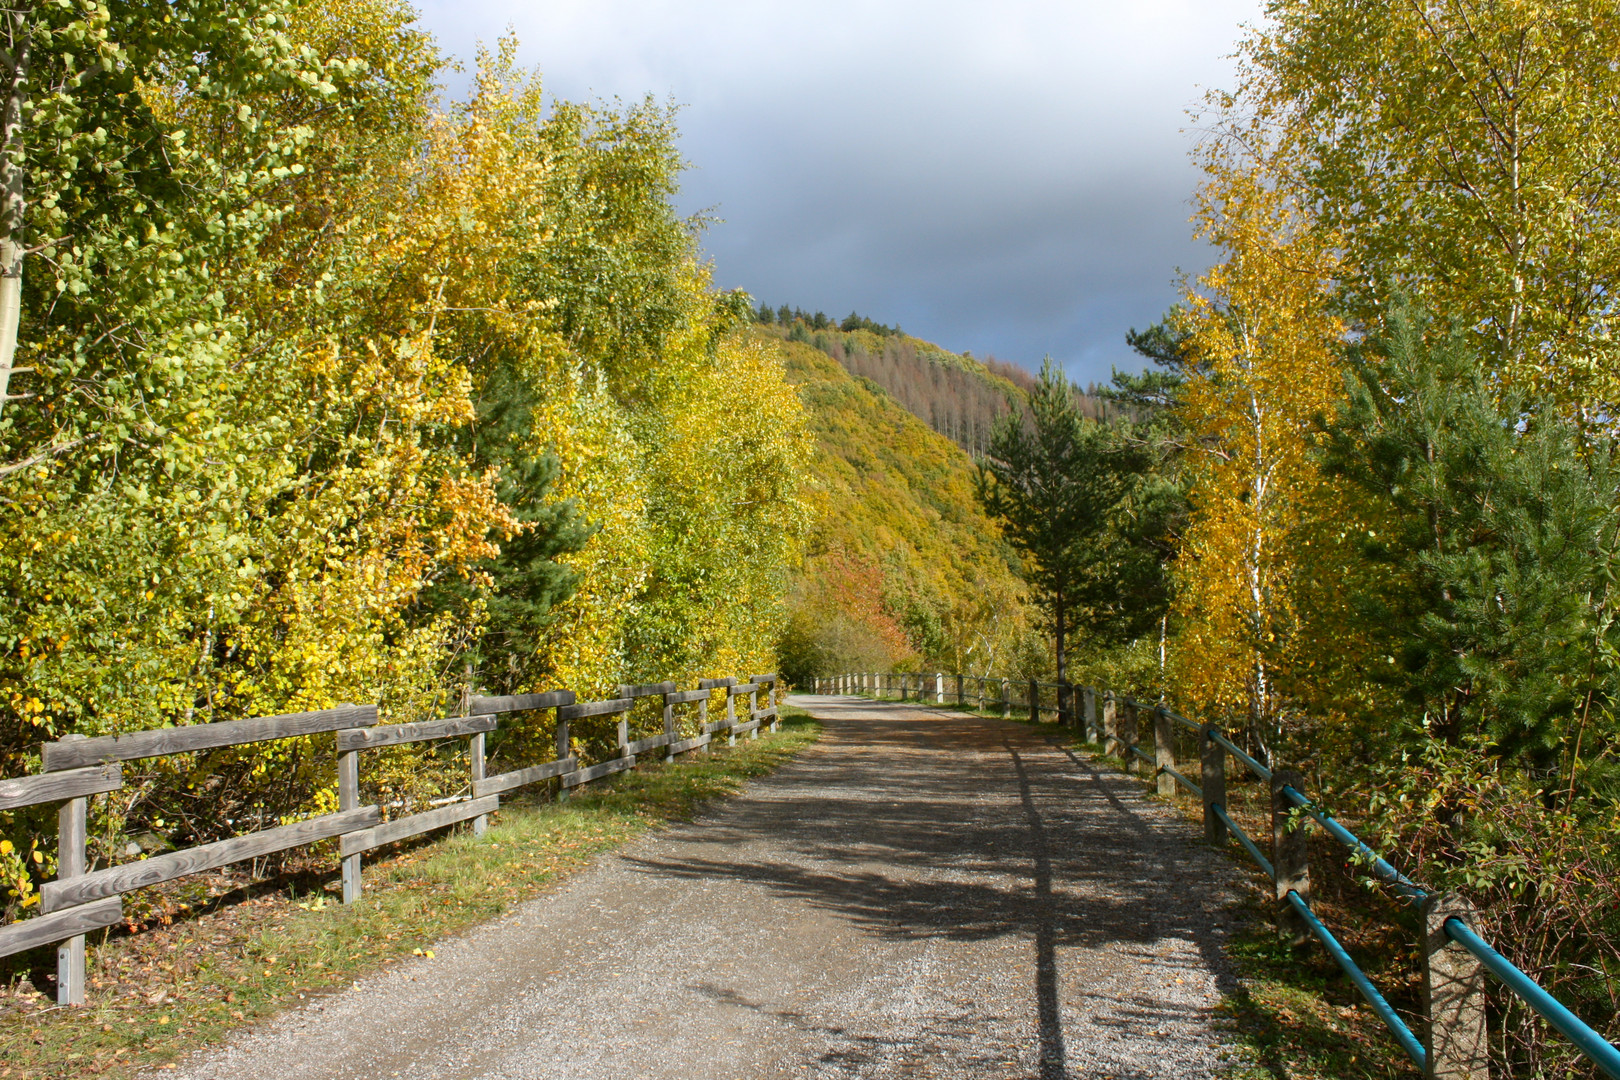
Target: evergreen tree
pixel 1036 480
pixel 1498 614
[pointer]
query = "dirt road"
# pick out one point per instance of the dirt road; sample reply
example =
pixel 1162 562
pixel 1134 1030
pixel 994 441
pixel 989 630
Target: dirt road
pixel 918 895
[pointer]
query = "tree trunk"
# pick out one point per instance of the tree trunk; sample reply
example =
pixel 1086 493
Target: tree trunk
pixel 21 27
pixel 1062 659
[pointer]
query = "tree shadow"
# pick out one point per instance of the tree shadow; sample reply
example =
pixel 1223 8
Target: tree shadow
pixel 970 830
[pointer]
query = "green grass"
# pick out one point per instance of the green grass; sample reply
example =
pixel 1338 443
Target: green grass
pixel 157 994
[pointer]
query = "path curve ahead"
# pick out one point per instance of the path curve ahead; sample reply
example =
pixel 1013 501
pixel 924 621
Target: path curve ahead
pixel 919 894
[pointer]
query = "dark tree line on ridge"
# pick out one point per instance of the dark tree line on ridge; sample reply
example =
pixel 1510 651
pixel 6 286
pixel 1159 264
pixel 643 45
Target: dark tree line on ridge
pixel 961 398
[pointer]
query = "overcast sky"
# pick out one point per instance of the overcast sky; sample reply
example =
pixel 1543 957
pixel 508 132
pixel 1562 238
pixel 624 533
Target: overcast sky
pixel 1008 178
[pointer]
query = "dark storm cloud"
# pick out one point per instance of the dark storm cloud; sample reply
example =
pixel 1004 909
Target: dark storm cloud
pixel 1010 178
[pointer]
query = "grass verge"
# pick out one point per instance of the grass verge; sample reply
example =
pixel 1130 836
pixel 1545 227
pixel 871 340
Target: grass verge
pixel 160 993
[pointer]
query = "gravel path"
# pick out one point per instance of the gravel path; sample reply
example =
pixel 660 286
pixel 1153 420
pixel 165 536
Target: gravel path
pixel 920 894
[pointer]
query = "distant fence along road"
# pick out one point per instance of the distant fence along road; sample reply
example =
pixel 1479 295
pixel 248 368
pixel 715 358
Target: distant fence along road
pixel 75 768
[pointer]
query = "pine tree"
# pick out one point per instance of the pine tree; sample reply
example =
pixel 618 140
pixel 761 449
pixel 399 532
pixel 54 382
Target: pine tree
pixel 1497 615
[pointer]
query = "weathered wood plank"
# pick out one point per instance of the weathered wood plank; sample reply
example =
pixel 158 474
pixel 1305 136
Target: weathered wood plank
pixel 743 688
pixel 766 678
pixel 715 684
pixel 762 714
pixel 685 696
pixel 693 743
pixel 56 895
pixel 581 776
pixel 646 690
pixel 395 734
pixel 32 933
pixel 641 746
pixel 56 786
pixel 403 828
pixel 519 777
pixel 718 725
pixel 595 708
pixel 77 753
pixel 480 704
pixel 743 729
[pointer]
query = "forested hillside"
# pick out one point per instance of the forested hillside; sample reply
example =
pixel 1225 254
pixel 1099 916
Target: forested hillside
pixel 903 568
pixel 955 394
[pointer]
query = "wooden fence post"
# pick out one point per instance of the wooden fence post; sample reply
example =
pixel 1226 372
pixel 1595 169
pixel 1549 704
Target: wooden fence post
pixel 731 718
pixel 669 726
pixel 753 707
pixel 475 754
pixel 960 700
pixel 72 827
pixel 1290 857
pixel 939 688
pixel 563 747
pixel 776 718
pixel 1131 736
pixel 1063 703
pixel 1034 701
pixel 1164 750
pixel 1453 996
pixel 1088 714
pixel 1110 723
pixel 1212 764
pixel 1006 698
pixel 349 799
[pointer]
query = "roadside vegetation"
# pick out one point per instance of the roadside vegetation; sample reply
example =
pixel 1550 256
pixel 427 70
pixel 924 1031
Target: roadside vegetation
pixel 333 388
pixel 236 959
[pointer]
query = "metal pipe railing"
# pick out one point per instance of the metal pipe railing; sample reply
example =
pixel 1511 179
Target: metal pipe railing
pixel 1243 838
pixel 1396 1025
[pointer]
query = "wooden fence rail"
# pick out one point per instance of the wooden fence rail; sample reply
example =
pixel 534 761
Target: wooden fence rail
pixel 74 768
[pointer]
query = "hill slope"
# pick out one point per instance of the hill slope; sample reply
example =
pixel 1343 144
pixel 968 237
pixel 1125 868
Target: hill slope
pixel 955 394
pixel 904 567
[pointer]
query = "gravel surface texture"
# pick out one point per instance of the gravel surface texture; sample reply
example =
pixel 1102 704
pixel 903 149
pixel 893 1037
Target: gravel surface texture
pixel 920 894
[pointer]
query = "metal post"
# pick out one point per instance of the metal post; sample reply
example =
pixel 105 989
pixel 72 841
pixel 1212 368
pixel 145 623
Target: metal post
pixel 1164 750
pixel 1289 857
pixel 72 827
pixel 1110 724
pixel 1453 996
pixel 1131 737
pixel 1212 762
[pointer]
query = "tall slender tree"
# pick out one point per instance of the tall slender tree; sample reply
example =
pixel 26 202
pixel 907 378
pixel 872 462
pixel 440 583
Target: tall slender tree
pixel 1036 480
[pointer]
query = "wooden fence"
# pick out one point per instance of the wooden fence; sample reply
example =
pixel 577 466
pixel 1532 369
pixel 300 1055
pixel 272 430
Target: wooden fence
pixel 73 769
